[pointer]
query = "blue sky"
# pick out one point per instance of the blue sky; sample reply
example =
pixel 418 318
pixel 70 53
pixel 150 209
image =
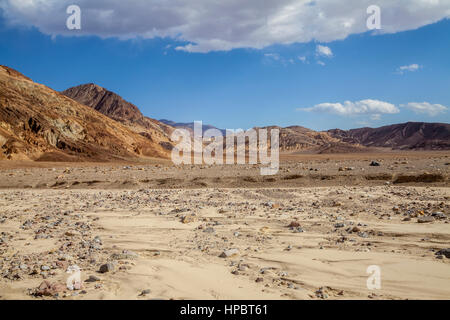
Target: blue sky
pixel 300 83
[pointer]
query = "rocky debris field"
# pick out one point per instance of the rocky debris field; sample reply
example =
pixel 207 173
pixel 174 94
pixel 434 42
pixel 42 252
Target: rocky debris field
pixel 219 243
pixel 409 169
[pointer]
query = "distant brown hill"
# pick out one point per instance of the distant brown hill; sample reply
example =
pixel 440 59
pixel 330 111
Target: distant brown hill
pixel 39 123
pixel 300 139
pixel 114 106
pixel 405 136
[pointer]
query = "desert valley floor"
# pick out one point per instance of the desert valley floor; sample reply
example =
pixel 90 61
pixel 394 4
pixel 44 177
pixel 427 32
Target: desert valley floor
pixel 157 231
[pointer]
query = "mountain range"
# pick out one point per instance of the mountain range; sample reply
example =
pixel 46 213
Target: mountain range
pixel 38 123
pixel 404 136
pixel 91 123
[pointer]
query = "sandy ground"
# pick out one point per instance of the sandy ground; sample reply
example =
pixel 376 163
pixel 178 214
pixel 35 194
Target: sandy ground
pixel 309 233
pixel 407 168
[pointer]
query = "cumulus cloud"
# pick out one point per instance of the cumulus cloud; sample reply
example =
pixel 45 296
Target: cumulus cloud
pixel 410 68
pixel 349 108
pixel 426 108
pixel 205 25
pixel 324 51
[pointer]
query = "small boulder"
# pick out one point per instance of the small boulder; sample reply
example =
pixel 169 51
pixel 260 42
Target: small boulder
pixel 107 267
pixel 444 252
pixel 229 253
pixel 145 292
pixel 294 224
pixel 47 288
pixel 188 219
pixel 425 220
pixel 92 278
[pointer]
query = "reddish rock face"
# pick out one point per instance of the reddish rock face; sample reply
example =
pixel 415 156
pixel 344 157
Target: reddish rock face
pixel 104 101
pixel 115 107
pixel 39 123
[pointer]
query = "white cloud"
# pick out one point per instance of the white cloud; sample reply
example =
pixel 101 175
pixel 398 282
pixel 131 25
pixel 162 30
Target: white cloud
pixel 302 59
pixel 224 25
pixel 321 63
pixel 426 108
pixel 274 56
pixel 348 108
pixel 324 51
pixel 410 68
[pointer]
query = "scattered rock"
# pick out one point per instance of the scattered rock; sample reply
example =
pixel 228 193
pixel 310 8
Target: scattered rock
pixel 322 293
pixel 425 220
pixel 47 288
pixel 439 215
pixel 62 264
pixel 125 255
pixel 70 233
pixel 242 267
pixel 272 205
pixel 363 234
pixel 444 252
pixel 188 219
pixel 229 253
pixel 209 230
pixel 145 292
pixel 93 278
pixel 97 239
pixel 294 224
pixel 107 267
